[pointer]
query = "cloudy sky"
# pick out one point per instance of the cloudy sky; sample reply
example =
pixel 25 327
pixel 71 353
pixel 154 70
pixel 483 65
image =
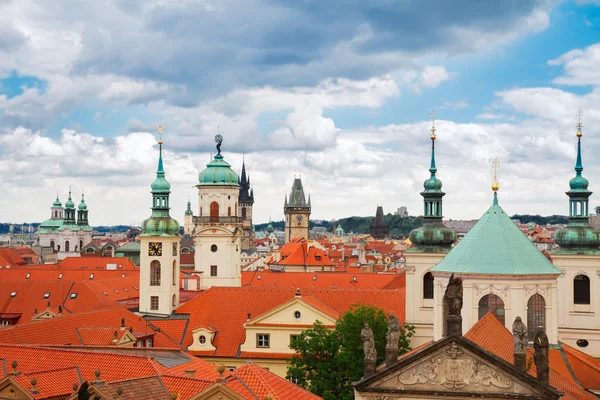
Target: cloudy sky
pixel 339 91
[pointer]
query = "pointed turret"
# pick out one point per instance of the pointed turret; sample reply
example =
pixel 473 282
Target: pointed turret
pixel 188 211
pixel 578 237
pixel 297 198
pixel 379 229
pixel 433 236
pixel 70 210
pixel 82 213
pixel 246 196
pixel 160 223
pixel 297 212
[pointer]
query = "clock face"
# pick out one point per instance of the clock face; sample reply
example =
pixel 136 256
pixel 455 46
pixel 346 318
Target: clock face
pixel 174 249
pixel 299 218
pixel 155 249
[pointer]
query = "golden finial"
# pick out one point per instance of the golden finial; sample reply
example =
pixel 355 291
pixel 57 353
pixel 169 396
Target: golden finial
pixel 579 123
pixel 160 134
pixel 495 165
pixel 433 125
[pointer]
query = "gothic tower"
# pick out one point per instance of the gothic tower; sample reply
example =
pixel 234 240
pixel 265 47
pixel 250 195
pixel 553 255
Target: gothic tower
pixel 379 229
pixel 297 212
pixel 159 250
pixel 246 200
pixel 218 227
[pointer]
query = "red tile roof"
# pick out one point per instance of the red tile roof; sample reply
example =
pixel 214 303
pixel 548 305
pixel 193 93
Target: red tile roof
pixel 340 280
pixel 185 387
pixel 298 252
pixel 9 257
pixel 214 308
pixel 491 335
pixel 50 383
pixel 98 263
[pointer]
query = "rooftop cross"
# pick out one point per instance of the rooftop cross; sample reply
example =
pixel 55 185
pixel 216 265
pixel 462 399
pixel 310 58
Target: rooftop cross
pixel 495 165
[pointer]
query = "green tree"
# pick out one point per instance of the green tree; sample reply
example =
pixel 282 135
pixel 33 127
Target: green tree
pixel 328 361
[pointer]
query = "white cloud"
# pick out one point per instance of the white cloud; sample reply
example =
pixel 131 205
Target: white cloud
pixel 580 66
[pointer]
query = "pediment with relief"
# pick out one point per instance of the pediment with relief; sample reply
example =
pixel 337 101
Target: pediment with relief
pixel 449 367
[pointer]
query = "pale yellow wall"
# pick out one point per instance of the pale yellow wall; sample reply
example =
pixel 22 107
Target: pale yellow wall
pixel 226 258
pixel 196 345
pixel 514 292
pixel 168 287
pixel 419 311
pixel 579 321
pixel 226 196
pixel 277 366
pixel 293 228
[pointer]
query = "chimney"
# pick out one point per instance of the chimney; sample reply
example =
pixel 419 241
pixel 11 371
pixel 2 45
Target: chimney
pixel 248 318
pixel 298 292
pixel 33 389
pixel 115 337
pixel 190 373
pixel 75 387
pixel 59 311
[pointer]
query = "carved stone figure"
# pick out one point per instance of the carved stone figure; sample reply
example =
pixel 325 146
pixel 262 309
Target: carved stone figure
pixel 454 296
pixel 520 336
pixel 83 394
pixel 393 332
pixel 540 356
pixel 368 343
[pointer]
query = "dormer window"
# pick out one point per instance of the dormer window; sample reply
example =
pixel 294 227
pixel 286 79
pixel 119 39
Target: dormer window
pixel 318 258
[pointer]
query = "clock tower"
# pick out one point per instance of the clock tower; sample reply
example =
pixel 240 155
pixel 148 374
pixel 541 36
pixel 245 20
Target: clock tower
pixel 297 212
pixel 159 251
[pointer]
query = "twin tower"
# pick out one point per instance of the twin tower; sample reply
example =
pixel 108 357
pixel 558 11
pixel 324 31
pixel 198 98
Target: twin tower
pixel 221 231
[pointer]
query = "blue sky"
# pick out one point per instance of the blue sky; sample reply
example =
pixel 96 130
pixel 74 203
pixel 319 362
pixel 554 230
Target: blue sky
pixel 338 91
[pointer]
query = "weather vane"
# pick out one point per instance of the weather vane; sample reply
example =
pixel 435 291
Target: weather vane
pixel 433 125
pixel 579 123
pixel 495 165
pixel 219 140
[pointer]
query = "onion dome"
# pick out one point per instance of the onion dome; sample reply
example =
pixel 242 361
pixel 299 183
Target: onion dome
pixel 82 205
pixel 578 237
pixel 69 204
pixel 188 211
pixel 433 235
pixel 160 223
pixel 57 203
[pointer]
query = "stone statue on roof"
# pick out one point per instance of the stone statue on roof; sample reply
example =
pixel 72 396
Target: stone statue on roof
pixel 454 296
pixel 82 393
pixel 520 336
pixel 541 346
pixel 393 332
pixel 368 343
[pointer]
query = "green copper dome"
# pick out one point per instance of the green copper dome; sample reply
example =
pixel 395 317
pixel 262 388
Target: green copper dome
pixel 578 184
pixel 433 236
pixel 577 237
pixel 82 205
pixel 160 226
pixel 432 184
pixel 57 203
pixel 189 209
pixel 218 173
pixel 69 203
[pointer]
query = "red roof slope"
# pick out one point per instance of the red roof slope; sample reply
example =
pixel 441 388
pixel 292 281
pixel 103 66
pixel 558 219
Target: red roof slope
pixel 51 383
pixel 298 252
pixel 225 309
pixel 98 263
pixel 340 280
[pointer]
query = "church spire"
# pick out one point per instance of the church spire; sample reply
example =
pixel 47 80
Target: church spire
pixel 432 167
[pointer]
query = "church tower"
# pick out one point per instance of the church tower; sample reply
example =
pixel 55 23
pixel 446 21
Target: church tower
pixel 431 243
pixel 188 220
pixel 82 213
pixel 246 200
pixel 578 258
pixel 379 229
pixel 218 227
pixel 159 250
pixel 297 212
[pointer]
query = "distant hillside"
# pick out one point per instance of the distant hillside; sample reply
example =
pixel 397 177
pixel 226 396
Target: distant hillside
pixel 399 226
pixel 538 219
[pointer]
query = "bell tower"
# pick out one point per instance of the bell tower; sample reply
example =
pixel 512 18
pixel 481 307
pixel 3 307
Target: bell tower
pixel 159 250
pixel 246 201
pixel 297 213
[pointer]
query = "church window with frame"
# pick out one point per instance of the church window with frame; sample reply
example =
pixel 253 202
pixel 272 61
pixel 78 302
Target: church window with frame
pixel 536 315
pixel 155 273
pixel 494 304
pixel 262 340
pixel 581 289
pixel 154 302
pixel 428 286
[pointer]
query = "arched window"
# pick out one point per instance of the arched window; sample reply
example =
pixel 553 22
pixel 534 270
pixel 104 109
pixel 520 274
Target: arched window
pixel 494 304
pixel 52 244
pixel 174 301
pixel 80 245
pixel 428 286
pixel 174 272
pixel 581 289
pixel 229 211
pixel 214 210
pixel 155 273
pixel 67 245
pixel 243 212
pixel 536 314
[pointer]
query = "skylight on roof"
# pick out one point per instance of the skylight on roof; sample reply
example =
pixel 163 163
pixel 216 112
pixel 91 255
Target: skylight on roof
pixel 123 276
pixel 125 289
pixel 46 295
pixel 73 295
pixel 28 275
pixel 116 291
pixel 91 276
pixel 13 294
pixel 104 293
pixel 60 276
pixel 135 288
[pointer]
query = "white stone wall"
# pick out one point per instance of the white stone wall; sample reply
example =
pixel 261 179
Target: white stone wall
pixel 227 239
pixel 169 283
pixel 225 196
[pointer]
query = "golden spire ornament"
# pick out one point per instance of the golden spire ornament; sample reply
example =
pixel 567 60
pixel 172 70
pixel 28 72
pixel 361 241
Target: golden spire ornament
pixel 495 165
pixel 579 123
pixel 433 125
pixel 160 134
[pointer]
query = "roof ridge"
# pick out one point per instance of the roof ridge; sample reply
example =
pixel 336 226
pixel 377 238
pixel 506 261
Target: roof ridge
pixel 260 377
pixel 171 375
pixel 75 367
pixel 568 365
pixel 57 348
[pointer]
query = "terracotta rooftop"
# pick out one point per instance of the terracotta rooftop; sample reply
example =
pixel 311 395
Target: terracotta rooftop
pixel 214 308
pixel 98 263
pixel 50 383
pixel 340 280
pixel 298 252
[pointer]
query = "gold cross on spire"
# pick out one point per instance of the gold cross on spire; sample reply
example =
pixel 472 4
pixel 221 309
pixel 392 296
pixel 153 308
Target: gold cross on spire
pixel 495 165
pixel 579 123
pixel 433 125
pixel 159 134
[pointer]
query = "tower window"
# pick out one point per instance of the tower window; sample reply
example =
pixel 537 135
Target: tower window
pixel 581 289
pixel 213 270
pixel 155 273
pixel 536 315
pixel 202 339
pixel 67 246
pixel 229 211
pixel 214 210
pixel 243 212
pixel 213 248
pixel 174 304
pixel 174 273
pixel 428 286
pixel 154 302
